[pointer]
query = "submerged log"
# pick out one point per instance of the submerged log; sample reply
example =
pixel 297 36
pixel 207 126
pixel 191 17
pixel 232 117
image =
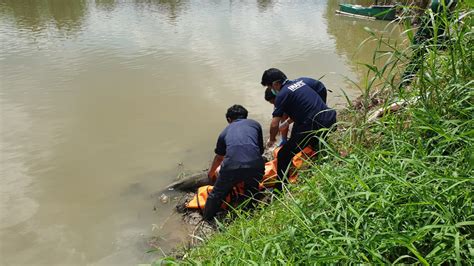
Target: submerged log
pixel 190 182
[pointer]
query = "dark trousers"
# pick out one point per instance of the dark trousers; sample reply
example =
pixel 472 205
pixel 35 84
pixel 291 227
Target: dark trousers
pixel 224 184
pixel 301 137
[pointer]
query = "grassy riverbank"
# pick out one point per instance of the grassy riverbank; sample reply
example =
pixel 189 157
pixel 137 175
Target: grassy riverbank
pixel 397 190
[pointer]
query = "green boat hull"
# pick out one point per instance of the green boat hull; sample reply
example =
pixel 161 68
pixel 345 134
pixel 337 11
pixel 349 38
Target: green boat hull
pixel 378 12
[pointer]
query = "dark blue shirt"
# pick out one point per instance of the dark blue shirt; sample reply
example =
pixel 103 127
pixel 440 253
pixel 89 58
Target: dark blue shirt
pixel 304 100
pixel 241 144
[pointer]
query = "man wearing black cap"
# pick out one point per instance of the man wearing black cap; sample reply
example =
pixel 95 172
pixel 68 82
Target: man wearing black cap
pixel 304 100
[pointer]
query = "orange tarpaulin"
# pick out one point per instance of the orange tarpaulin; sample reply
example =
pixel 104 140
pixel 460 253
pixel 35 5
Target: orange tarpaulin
pixel 269 179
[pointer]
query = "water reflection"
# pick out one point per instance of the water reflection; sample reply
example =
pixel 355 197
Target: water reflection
pixel 35 15
pixel 172 9
pixel 263 5
pixel 27 14
pixel 68 15
pixel 106 5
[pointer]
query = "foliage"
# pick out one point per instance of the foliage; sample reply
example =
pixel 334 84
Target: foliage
pixel 403 194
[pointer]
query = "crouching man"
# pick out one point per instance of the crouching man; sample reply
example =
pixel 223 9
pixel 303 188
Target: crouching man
pixel 239 152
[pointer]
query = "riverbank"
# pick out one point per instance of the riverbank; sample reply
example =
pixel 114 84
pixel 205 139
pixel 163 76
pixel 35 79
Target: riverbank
pixel 395 190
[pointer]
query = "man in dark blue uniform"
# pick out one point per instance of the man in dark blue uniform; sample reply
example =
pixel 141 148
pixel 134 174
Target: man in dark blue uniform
pixel 239 152
pixel 304 100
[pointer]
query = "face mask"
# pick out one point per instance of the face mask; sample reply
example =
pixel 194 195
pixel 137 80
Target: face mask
pixel 274 92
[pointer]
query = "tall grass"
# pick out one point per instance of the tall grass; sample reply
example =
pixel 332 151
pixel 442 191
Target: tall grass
pixel 403 194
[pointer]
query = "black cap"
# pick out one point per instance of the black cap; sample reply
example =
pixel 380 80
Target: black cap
pixel 271 75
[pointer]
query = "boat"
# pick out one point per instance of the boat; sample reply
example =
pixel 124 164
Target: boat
pixel 382 12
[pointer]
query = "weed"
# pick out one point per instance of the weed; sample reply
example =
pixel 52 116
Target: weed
pixel 402 190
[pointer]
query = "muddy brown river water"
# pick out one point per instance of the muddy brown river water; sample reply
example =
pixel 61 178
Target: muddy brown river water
pixel 103 103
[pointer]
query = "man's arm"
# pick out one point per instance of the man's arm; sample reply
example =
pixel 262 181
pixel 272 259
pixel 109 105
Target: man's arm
pixel 274 128
pixel 220 152
pixel 278 113
pixel 215 163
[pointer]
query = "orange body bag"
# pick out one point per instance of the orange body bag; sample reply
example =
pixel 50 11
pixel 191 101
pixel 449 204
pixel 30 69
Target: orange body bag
pixel 268 180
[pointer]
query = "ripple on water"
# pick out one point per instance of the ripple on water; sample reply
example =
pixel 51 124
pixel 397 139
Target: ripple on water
pixel 16 206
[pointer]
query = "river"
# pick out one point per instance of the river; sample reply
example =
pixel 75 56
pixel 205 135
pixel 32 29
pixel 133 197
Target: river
pixel 103 103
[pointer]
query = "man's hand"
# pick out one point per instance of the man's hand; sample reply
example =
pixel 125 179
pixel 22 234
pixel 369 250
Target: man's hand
pixel 285 125
pixel 215 164
pixel 270 143
pixel 212 177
